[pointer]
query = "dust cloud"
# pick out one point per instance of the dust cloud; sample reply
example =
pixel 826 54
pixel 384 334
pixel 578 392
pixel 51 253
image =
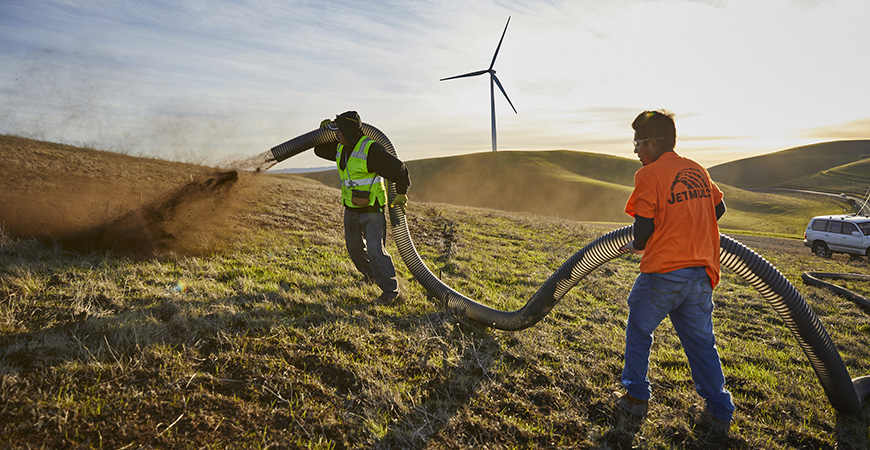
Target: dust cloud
pixel 88 200
pixel 257 164
pixel 182 222
pixel 85 97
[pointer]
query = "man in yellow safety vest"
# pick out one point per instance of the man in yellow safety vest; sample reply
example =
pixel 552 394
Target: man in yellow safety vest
pixel 363 164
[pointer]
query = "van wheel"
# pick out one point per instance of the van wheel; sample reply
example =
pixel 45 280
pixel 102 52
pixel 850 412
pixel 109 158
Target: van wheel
pixel 821 250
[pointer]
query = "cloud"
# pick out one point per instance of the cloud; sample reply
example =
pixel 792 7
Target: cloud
pixel 52 92
pixel 856 129
pixel 217 79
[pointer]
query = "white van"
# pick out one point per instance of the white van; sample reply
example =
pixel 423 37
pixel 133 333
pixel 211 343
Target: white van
pixel 844 233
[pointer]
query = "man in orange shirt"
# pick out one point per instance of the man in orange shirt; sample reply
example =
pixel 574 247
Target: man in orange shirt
pixel 676 207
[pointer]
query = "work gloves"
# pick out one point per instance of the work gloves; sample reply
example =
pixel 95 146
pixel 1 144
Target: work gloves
pixel 399 200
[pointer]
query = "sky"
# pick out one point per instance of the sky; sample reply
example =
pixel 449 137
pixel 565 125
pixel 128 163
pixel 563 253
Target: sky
pixel 214 82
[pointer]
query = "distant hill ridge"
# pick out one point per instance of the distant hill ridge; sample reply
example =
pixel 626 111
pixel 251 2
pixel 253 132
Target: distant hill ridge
pixel 568 184
pixel 829 166
pixel 594 187
pixel 558 183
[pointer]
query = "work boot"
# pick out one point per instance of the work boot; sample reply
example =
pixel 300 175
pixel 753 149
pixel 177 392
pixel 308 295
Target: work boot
pixel 705 419
pixel 388 298
pixel 630 405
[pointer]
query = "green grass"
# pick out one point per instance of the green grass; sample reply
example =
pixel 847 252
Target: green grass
pixel 795 167
pixel 783 214
pixel 274 342
pixel 851 178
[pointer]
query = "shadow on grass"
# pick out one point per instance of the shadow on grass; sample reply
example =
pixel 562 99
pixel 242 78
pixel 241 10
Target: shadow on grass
pixel 123 331
pixel 450 389
pixel 623 427
pixel 111 331
pixel 211 339
pixel 853 432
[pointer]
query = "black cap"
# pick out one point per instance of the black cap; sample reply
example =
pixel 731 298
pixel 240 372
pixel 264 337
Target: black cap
pixel 349 123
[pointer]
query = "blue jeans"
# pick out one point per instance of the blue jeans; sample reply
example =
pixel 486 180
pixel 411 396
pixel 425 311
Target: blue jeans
pixel 366 235
pixel 687 297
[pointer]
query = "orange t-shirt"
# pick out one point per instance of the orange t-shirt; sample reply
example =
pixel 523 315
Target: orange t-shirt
pixel 678 194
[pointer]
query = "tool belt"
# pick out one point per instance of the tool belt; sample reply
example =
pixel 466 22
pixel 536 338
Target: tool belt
pixel 359 198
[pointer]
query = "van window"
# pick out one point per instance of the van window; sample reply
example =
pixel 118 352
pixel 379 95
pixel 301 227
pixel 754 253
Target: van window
pixel 865 228
pixel 848 228
pixel 820 225
pixel 835 227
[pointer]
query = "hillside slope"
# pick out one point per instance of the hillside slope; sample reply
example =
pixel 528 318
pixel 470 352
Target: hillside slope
pixel 90 199
pixel 565 184
pixel 851 178
pixel 274 341
pixel 829 166
pixel 581 186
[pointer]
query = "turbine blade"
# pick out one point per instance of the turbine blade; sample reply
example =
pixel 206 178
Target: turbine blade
pixel 470 74
pixel 499 43
pixel 505 93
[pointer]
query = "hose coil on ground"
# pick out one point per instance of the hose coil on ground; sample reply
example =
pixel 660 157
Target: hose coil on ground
pixel 844 394
pixel 815 279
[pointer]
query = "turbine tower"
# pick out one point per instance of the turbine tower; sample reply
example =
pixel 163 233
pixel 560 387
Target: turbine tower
pixel 492 80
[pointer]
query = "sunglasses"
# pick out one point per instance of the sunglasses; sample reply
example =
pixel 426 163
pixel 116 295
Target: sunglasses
pixel 639 142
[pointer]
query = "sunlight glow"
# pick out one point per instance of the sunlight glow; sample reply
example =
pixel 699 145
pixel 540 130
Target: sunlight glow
pixel 169 80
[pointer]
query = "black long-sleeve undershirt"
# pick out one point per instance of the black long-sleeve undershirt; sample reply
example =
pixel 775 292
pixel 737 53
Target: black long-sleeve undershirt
pixel 643 229
pixel 379 161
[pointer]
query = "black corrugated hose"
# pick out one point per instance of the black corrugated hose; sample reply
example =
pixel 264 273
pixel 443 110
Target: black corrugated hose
pixel 845 394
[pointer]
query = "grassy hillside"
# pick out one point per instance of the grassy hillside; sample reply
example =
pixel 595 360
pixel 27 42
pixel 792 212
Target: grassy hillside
pixel 266 337
pixel 274 342
pixel 851 178
pixel 566 184
pixel 84 196
pixel 586 187
pixel 785 214
pixel 830 166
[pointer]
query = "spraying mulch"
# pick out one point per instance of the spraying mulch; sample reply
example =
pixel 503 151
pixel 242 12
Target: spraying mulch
pixel 89 200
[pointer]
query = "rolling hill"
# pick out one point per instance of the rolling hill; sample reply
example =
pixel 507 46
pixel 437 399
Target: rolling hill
pixel 90 199
pixel 566 184
pixel 593 187
pixel 267 337
pixel 842 166
pixel 77 195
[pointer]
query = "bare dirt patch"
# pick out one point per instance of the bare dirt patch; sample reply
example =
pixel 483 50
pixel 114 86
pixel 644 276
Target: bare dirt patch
pixel 763 244
pixel 92 200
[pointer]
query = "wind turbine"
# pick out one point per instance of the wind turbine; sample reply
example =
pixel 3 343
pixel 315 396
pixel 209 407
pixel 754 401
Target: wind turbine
pixel 492 80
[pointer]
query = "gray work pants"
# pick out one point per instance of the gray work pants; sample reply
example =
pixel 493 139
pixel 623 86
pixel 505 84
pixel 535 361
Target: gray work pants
pixel 366 235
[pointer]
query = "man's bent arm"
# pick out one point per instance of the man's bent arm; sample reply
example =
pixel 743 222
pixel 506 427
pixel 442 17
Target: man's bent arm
pixel 643 229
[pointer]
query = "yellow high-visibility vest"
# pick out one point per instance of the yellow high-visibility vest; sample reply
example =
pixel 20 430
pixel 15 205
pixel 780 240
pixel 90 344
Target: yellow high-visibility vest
pixel 356 175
